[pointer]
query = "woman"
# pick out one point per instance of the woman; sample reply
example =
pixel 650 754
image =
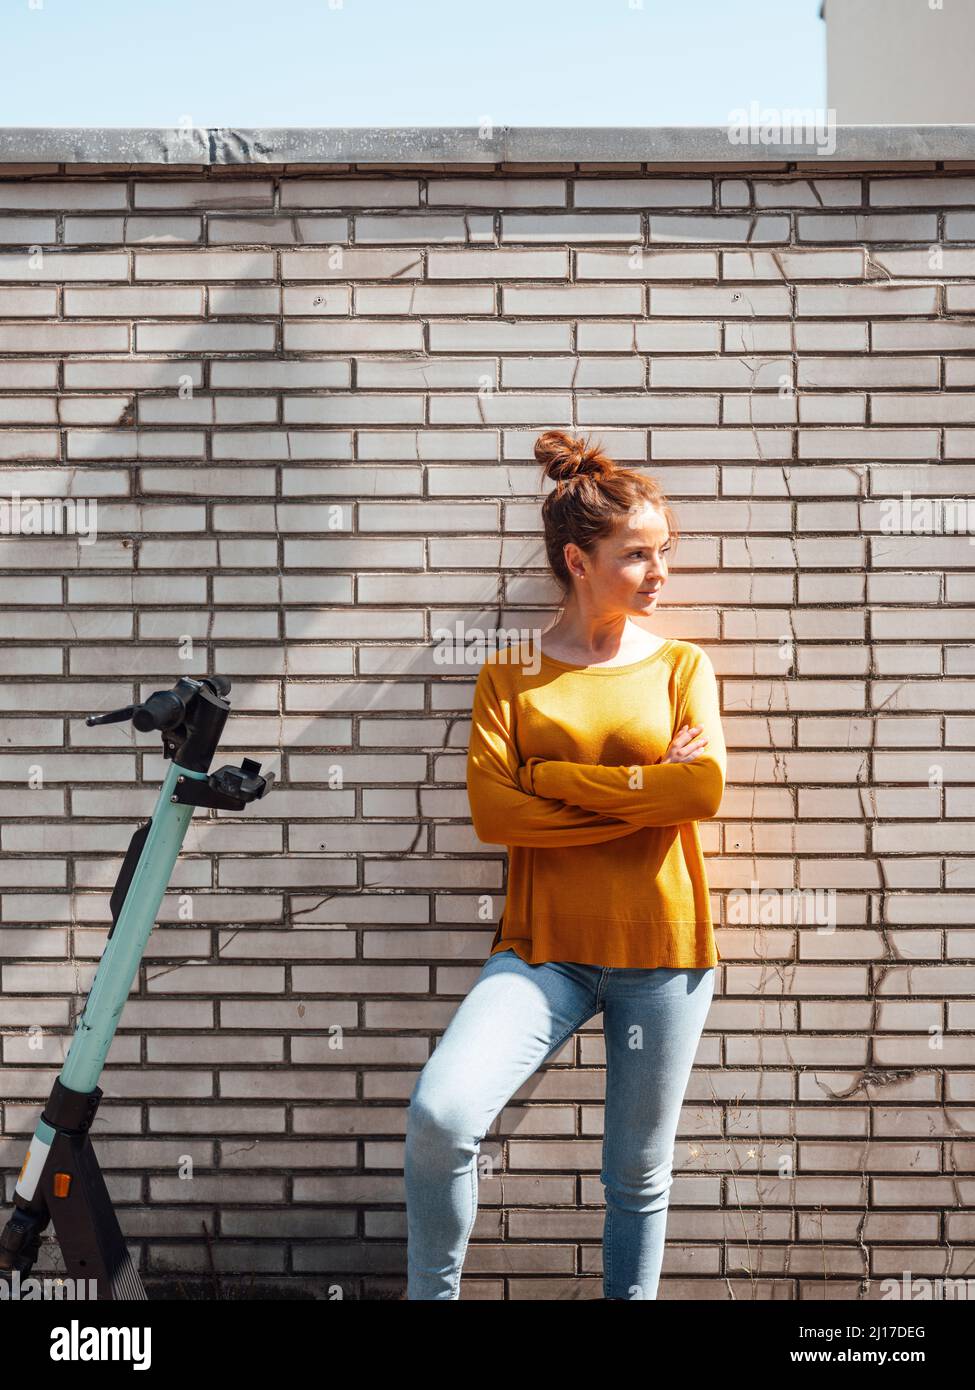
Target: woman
pixel 591 760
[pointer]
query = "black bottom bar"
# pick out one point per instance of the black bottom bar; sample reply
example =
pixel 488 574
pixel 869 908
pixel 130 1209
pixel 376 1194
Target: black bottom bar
pixel 84 1220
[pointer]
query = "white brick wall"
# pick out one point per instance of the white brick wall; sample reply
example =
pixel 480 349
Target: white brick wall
pixel 369 360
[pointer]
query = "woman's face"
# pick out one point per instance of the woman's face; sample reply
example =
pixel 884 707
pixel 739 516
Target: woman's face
pixel 626 571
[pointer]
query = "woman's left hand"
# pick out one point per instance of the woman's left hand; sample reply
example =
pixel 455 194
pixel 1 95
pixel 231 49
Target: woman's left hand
pixel 526 775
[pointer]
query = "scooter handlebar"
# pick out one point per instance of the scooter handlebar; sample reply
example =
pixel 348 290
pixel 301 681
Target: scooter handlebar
pixel 164 709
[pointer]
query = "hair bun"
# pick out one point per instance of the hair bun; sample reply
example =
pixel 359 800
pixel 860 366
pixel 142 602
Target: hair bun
pixel 566 456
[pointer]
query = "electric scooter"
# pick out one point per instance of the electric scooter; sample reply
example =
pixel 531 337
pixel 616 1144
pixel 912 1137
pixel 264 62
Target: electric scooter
pixel 60 1180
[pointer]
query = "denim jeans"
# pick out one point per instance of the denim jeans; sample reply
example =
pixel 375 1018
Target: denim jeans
pixel 515 1016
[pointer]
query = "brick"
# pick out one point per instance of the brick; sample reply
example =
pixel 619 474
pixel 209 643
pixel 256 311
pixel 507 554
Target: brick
pixel 921 192
pixel 202 193
pixel 95 193
pixel 834 337
pixel 922 337
pixel 498 337
pixel 651 265
pixel 203 265
pixel 496 408
pixel 650 410
pixel 61 266
pixel 224 299
pixel 143 230
pixel 792 265
pixel 869 227
pixel 720 302
pixel 822 409
pixel 814 193
pixel 958 226
pixel 351 337
pixel 725 443
pixel 258 444
pixel 430 373
pixel 424 299
pixel 330 231
pixel 204 337
pixel 271 229
pixel 734 193
pixel 720 228
pixel 643 192
pixel 24 375
pixel 567 371
pixel 317 300
pixel 959 299
pixel 425 227
pixel 134 302
pixel 28 410
pixel 93 231
pixel 514 192
pixel 109 374
pixel 497 265
pixel 890 408
pixel 704 373
pixel 944 262
pixel 868 443
pixel 64 338
pixel 869 371
pixel 823 300
pixel 28 444
pixel 570 227
pixel 571 299
pixel 27 231
pixel 268 375
pixel 346 263
pixel 341 193
pixel 339 409
pixel 674 336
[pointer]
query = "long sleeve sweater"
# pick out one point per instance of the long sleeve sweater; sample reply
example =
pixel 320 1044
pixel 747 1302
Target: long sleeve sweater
pixel 605 865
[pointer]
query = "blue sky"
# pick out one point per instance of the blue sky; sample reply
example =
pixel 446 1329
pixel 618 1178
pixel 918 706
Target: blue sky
pixel 405 62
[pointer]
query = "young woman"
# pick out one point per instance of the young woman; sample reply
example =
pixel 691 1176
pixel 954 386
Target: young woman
pixel 591 760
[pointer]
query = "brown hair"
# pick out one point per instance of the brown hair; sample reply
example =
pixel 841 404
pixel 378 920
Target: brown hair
pixel 591 496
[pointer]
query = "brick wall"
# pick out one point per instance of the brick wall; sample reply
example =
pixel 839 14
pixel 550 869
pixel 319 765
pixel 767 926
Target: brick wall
pixel 305 406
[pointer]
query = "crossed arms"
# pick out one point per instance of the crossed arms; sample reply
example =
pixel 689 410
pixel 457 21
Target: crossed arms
pixel 547 803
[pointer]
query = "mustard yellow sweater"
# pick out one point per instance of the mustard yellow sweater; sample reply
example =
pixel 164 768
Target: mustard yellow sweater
pixel 605 865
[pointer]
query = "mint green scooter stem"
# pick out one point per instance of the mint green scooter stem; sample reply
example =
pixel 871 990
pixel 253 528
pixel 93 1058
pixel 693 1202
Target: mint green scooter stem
pixel 128 938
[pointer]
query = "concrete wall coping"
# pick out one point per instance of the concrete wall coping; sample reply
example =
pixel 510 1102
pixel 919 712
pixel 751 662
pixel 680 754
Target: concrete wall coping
pixel 554 147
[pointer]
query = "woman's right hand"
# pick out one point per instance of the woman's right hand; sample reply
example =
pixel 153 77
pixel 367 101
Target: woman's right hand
pixel 685 747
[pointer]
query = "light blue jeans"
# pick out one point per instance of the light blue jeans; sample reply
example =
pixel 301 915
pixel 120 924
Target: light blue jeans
pixel 514 1017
